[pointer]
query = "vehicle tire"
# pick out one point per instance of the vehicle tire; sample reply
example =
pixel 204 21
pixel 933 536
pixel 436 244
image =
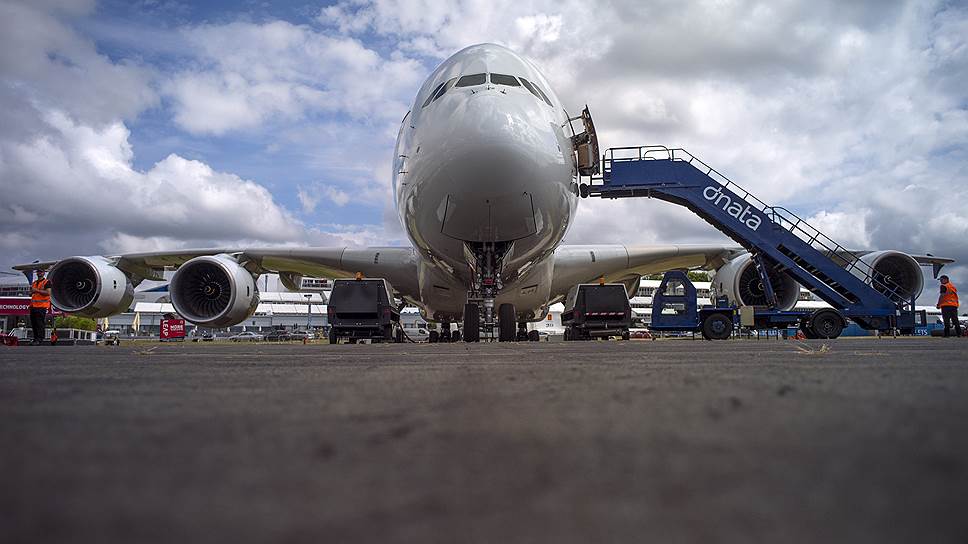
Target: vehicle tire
pixel 333 337
pixel 445 335
pixel 626 335
pixel 827 324
pixel 521 335
pixel 472 323
pixel 717 327
pixel 507 324
pixel 433 337
pixel 533 336
pixel 455 336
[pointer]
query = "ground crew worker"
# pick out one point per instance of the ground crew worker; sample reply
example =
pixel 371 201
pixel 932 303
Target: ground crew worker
pixel 948 303
pixel 39 304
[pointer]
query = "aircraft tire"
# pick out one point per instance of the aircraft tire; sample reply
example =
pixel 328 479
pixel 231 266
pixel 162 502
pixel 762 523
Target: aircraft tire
pixel 455 336
pixel 472 323
pixel 507 324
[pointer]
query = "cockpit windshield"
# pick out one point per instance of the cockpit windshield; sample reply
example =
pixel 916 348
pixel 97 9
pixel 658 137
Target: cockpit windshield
pixel 503 79
pixel 471 80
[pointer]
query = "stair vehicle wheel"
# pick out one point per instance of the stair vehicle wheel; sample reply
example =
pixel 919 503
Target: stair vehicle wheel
pixel 507 324
pixel 333 338
pixel 827 324
pixel 717 327
pixel 433 337
pixel 455 336
pixel 533 336
pixel 472 323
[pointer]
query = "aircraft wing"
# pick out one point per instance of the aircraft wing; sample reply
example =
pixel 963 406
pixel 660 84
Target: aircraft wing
pixel 397 264
pixel 619 263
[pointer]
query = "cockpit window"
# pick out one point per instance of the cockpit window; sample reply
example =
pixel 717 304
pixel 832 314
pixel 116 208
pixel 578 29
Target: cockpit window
pixel 471 80
pixel 503 79
pixel 430 96
pixel 443 89
pixel 535 90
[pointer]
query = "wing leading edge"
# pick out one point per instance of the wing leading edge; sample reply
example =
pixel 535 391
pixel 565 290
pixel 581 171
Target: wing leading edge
pixel 396 264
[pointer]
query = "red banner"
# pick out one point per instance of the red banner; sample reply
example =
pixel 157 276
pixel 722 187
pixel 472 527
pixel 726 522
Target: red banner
pixel 14 306
pixel 20 306
pixel 172 329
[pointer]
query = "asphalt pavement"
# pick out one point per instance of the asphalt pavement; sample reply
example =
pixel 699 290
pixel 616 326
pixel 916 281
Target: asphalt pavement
pixel 853 440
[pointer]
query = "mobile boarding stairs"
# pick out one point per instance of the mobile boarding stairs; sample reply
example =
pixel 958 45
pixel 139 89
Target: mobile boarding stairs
pixel 776 238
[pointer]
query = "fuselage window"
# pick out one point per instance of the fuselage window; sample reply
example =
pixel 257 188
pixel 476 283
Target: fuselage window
pixel 443 88
pixel 502 79
pixel 471 80
pixel 432 94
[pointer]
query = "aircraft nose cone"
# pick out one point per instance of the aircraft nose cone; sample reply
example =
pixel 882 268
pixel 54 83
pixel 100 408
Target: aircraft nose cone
pixel 495 144
pixel 489 176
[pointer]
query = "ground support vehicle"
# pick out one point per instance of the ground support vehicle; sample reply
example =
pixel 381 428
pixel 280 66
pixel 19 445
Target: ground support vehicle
pixel 363 309
pixel 597 310
pixel 675 309
pixel 778 240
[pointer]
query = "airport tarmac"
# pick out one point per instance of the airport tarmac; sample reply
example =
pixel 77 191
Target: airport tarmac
pixel 860 440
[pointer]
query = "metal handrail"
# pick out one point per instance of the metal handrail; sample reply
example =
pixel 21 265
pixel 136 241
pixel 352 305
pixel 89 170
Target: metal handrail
pixel 778 214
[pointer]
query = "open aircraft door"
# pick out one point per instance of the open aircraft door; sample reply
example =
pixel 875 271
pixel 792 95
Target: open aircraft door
pixel 586 145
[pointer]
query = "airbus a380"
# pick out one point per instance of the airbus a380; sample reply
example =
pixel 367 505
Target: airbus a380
pixel 485 184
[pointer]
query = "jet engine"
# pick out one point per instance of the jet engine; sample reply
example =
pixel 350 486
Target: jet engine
pixel 214 291
pixel 89 287
pixel 740 283
pixel 894 270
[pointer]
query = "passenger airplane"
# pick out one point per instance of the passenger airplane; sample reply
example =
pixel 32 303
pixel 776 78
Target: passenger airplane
pixel 486 185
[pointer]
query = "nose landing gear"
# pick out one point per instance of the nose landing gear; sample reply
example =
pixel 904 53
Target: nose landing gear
pixel 486 265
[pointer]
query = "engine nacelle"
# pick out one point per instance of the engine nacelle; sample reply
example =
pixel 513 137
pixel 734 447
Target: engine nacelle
pixel 214 291
pixel 739 282
pixel 89 287
pixel 894 270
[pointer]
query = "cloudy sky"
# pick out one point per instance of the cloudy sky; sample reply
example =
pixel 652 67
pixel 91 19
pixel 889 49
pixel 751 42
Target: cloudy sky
pixel 150 125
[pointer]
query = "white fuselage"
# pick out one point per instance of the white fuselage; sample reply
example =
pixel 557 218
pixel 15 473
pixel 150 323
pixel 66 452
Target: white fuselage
pixel 485 159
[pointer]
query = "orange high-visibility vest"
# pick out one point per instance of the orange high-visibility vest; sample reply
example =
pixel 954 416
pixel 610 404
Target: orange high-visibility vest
pixel 950 295
pixel 38 300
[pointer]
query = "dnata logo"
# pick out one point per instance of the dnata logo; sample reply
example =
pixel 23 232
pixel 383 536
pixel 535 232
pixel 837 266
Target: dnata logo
pixel 745 215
